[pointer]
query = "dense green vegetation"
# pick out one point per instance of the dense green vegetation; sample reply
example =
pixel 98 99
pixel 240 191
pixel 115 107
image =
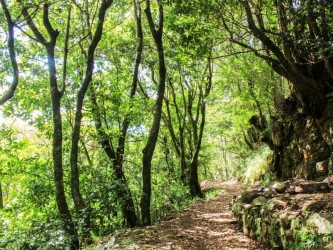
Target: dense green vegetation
pixel 112 112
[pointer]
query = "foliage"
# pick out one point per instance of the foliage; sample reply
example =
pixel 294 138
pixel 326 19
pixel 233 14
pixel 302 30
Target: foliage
pixel 257 168
pixel 306 238
pixel 212 90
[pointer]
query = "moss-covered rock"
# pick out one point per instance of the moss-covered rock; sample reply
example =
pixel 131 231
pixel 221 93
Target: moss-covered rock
pixel 259 201
pixel 248 196
pixel 279 187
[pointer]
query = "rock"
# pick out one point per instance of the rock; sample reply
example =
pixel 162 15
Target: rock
pixel 294 206
pixel 280 221
pixel 322 168
pixel 280 187
pixel 298 190
pixel 259 201
pixel 269 193
pixel 276 204
pixel 314 206
pixel 248 196
pixel 322 225
pixel 309 188
pixel 293 216
pixel 247 206
pixel 148 234
pixel 138 231
pixel 291 189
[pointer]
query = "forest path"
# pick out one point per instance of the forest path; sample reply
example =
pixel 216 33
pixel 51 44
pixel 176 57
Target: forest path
pixel 203 225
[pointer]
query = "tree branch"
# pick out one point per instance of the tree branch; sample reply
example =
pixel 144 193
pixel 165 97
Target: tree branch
pixel 11 48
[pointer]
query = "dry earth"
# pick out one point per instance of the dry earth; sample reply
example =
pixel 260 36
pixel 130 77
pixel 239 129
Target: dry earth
pixel 203 225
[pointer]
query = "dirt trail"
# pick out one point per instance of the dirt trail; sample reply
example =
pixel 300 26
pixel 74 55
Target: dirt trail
pixel 203 225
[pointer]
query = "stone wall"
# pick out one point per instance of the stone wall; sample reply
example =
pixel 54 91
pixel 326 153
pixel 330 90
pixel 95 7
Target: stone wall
pixel 288 215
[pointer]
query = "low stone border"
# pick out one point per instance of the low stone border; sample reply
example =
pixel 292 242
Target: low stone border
pixel 288 215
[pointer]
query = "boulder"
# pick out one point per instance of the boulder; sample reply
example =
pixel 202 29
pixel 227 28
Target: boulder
pixel 299 190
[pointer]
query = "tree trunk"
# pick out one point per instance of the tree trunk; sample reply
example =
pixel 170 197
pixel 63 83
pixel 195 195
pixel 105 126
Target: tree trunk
pixel 116 157
pixel 57 156
pixel 1 197
pixel 198 131
pixel 58 173
pixel 178 141
pixel 194 179
pixel 81 208
pixel 306 131
pixel 57 137
pixel 148 151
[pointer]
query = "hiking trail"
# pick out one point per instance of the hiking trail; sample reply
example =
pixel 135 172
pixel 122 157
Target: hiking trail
pixel 202 225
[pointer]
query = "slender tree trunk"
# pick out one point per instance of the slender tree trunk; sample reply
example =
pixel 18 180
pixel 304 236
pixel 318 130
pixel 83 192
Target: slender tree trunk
pixel 1 197
pixel 80 206
pixel 58 173
pixel 178 141
pixel 57 137
pixel 194 184
pixel 57 141
pixel 198 132
pixel 148 151
pixel 194 177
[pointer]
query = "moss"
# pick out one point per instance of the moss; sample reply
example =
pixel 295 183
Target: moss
pixel 304 238
pixel 280 230
pixel 258 227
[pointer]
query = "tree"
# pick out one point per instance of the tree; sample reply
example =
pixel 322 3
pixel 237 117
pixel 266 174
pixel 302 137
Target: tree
pixel 191 40
pixel 186 125
pixel 292 37
pixel 49 43
pixel 116 156
pixel 148 151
